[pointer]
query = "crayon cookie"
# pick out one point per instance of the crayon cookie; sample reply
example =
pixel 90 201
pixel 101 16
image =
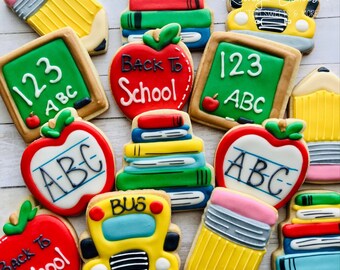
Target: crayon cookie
pixel 69 165
pixel 316 100
pixel 37 239
pixel 130 230
pixel 233 234
pixel 192 15
pixel 165 154
pixel 242 79
pixel 154 74
pixel 46 75
pixel 86 17
pixel 268 162
pixel 288 22
pixel 309 238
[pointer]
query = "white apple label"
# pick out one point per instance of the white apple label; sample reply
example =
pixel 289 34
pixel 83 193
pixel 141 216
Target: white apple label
pixel 266 172
pixel 65 173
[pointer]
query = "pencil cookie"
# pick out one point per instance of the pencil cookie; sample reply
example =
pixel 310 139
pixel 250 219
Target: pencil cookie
pixel 309 237
pixel 154 74
pixel 268 162
pixel 69 165
pixel 242 79
pixel 316 100
pixel 233 234
pixel 46 75
pixel 165 154
pixel 288 22
pixel 86 17
pixel 37 239
pixel 130 230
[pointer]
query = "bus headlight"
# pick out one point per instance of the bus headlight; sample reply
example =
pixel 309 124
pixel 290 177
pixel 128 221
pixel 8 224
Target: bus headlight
pixel 302 25
pixel 162 264
pixel 241 18
pixel 99 267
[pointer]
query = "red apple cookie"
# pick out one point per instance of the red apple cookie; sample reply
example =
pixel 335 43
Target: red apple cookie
pixel 70 164
pixel 154 74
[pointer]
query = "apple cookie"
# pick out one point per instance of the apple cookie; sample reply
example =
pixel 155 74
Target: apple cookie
pixel 86 17
pixel 130 230
pixel 38 239
pixel 309 237
pixel 316 100
pixel 269 162
pixel 242 79
pixel 46 75
pixel 69 165
pixel 165 154
pixel 288 22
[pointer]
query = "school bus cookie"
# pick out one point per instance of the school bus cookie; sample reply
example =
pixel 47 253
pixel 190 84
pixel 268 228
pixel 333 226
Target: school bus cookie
pixel 46 75
pixel 165 154
pixel 71 163
pixel 195 19
pixel 233 234
pixel 309 237
pixel 86 17
pixel 268 162
pixel 288 22
pixel 130 230
pixel 242 79
pixel 316 100
pixel 37 239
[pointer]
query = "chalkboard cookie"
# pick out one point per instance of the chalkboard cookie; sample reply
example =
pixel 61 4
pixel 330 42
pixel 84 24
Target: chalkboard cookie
pixel 309 237
pixel 38 239
pixel 86 17
pixel 195 19
pixel 233 234
pixel 288 22
pixel 156 73
pixel 130 230
pixel 165 154
pixel 69 165
pixel 46 75
pixel 268 162
pixel 316 100
pixel 242 79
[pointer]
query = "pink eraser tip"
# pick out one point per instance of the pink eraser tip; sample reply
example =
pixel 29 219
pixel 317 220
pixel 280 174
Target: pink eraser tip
pixel 10 3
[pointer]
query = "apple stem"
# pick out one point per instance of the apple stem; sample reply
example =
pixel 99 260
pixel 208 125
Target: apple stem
pixel 63 119
pixel 215 96
pixel 17 225
pixel 282 130
pixel 160 38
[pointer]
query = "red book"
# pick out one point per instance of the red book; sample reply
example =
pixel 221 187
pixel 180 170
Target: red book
pixel 315 229
pixel 142 5
pixel 158 121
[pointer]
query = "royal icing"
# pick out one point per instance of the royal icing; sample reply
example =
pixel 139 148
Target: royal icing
pixel 316 100
pixel 130 229
pixel 231 237
pixel 268 162
pixel 47 75
pixel 165 154
pixel 232 85
pixel 291 23
pixel 311 239
pixel 69 165
pixel 37 240
pixel 155 74
pixel 86 17
pixel 143 16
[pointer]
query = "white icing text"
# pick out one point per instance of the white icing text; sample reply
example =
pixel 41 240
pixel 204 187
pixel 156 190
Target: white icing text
pixel 247 103
pixel 59 262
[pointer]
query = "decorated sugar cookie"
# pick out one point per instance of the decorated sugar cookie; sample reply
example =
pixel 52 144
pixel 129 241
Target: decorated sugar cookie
pixel 86 17
pixel 130 230
pixel 233 234
pixel 154 74
pixel 316 100
pixel 268 162
pixel 165 154
pixel 288 22
pixel 194 18
pixel 241 80
pixel 70 164
pixel 309 237
pixel 46 75
pixel 36 239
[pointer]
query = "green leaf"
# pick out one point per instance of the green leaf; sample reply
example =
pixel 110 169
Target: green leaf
pixel 158 39
pixel 64 118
